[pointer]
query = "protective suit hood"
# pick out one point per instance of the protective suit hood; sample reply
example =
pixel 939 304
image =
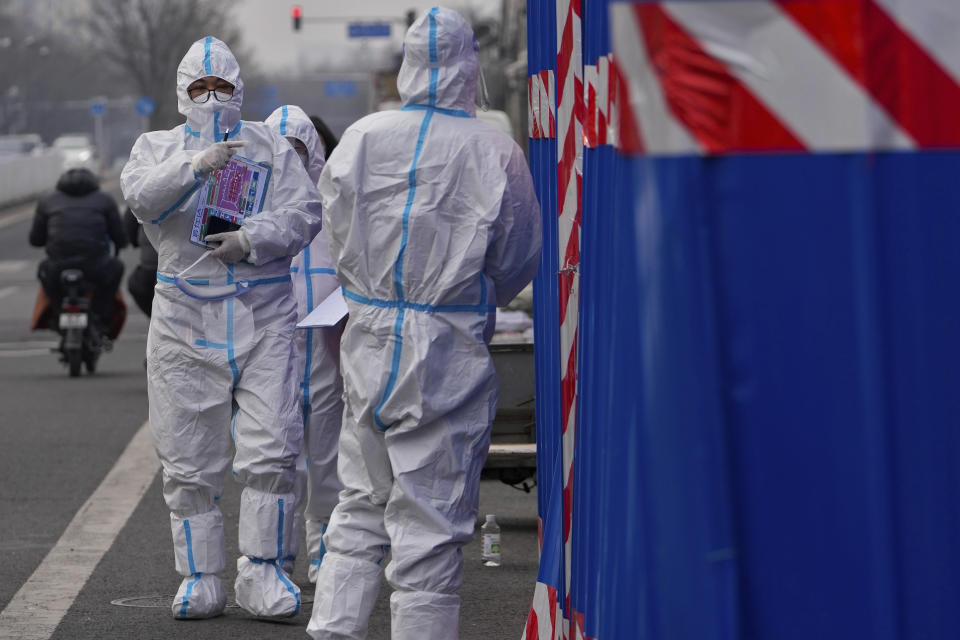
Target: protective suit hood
pixel 211 120
pixel 440 64
pixel 291 120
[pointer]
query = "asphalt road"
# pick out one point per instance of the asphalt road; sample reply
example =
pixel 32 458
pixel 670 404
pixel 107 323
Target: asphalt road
pixel 61 437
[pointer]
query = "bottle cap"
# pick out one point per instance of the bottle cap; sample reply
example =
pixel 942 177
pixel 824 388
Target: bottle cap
pixel 491 517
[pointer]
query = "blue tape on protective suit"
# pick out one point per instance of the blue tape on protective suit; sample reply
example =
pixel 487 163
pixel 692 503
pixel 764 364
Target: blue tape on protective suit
pixel 305 400
pixel 456 113
pixel 230 352
pixel 481 309
pixel 209 345
pixel 280 528
pixel 192 567
pixel 216 118
pixel 206 55
pixel 183 198
pixel 186 531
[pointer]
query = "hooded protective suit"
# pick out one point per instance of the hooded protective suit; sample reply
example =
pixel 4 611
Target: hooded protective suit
pixel 224 369
pixel 321 386
pixel 433 222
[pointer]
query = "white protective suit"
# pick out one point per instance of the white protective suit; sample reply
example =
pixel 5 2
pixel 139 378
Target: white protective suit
pixel 226 369
pixel 433 222
pixel 321 386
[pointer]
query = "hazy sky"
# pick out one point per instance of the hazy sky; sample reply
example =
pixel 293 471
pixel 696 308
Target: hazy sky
pixel 267 28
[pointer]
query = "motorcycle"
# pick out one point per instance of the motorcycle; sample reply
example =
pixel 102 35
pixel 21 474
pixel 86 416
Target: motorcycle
pixel 80 342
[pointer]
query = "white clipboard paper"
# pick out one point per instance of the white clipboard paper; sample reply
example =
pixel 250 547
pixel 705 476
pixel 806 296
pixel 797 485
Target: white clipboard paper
pixel 328 313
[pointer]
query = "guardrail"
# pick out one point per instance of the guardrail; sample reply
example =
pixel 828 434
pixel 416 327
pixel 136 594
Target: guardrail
pixel 23 177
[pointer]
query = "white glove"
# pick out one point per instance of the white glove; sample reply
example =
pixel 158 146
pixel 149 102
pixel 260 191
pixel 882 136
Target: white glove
pixel 234 245
pixel 216 156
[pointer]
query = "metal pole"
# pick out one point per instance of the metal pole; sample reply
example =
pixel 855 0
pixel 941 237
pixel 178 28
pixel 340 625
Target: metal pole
pixel 98 135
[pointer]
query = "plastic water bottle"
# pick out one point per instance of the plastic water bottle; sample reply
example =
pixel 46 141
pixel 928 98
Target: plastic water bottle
pixel 490 534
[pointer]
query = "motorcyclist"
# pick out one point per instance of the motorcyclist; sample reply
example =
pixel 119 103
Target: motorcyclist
pixel 79 225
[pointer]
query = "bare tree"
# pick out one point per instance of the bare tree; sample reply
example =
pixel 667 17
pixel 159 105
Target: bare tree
pixel 41 68
pixel 143 41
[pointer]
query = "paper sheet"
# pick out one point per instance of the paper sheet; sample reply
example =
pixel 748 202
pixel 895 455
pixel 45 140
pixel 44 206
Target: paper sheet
pixel 328 313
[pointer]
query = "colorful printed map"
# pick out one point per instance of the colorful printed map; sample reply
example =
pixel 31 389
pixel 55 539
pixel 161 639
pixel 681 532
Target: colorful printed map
pixel 230 194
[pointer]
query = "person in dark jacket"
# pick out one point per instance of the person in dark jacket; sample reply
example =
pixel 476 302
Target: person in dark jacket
pixel 76 224
pixel 141 282
pixel 327 139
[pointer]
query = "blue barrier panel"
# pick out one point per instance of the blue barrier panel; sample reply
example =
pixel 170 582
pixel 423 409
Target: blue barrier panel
pixel 543 163
pixel 768 435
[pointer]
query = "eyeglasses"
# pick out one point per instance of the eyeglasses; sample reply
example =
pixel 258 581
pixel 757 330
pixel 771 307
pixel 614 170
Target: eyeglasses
pixel 219 96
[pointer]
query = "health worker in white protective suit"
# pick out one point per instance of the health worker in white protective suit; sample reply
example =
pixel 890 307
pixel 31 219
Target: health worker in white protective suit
pixel 221 360
pixel 320 384
pixel 433 222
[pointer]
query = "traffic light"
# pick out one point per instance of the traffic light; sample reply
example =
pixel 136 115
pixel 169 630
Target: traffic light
pixel 296 13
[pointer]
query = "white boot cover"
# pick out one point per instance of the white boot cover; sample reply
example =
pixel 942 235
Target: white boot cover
pixel 266 523
pixel 316 547
pixel 198 543
pixel 347 589
pixel 266 531
pixel 199 596
pixel 416 615
pixel 265 590
pixel 198 554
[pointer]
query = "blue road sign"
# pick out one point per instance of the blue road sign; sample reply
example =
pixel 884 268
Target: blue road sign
pixel 368 30
pixel 340 88
pixel 98 107
pixel 146 106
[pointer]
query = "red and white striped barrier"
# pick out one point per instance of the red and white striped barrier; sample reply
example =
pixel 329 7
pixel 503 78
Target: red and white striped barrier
pixel 569 187
pixel 597 85
pixel 787 76
pixel 541 103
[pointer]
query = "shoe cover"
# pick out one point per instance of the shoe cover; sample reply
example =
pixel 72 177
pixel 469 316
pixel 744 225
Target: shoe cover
pixel 199 596
pixel 346 591
pixel 264 589
pixel 316 547
pixel 415 615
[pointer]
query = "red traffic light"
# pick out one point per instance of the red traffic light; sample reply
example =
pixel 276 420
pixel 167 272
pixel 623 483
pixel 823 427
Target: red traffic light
pixel 296 13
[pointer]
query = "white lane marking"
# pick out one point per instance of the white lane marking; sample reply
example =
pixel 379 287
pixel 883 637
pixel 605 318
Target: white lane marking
pixel 6 221
pixel 6 291
pixel 12 266
pixel 40 604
